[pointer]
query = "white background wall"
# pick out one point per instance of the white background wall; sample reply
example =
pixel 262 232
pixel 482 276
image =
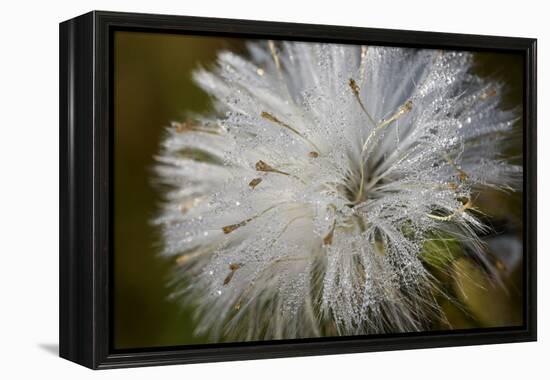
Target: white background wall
pixel 29 188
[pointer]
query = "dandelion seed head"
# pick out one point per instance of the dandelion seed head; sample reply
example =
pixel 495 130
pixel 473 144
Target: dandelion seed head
pixel 302 203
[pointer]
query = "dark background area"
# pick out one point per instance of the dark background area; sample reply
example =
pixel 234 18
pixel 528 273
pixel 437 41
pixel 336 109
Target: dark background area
pixel 153 86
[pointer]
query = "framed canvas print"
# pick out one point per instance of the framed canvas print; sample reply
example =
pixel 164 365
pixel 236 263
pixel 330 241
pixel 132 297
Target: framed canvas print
pixel 237 189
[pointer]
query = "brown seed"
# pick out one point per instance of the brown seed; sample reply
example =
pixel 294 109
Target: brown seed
pixel 234 267
pixel 263 167
pixel 228 278
pixel 354 87
pixel 490 93
pixel 232 227
pixel 183 127
pixel 255 182
pixel 182 260
pixel 408 106
pixel 327 240
pixel 270 117
pixel 313 154
pixel 500 265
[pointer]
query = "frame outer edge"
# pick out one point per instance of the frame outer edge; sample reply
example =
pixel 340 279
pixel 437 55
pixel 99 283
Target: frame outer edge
pixel 65 61
pixel 76 309
pixel 85 179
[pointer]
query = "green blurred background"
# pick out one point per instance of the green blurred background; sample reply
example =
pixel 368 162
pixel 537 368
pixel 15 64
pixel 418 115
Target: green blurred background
pixel 153 86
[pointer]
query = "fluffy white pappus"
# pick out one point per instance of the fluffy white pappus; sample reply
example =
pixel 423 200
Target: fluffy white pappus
pixel 301 205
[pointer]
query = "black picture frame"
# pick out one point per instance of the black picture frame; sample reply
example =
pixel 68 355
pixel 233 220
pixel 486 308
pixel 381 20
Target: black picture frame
pixel 86 181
